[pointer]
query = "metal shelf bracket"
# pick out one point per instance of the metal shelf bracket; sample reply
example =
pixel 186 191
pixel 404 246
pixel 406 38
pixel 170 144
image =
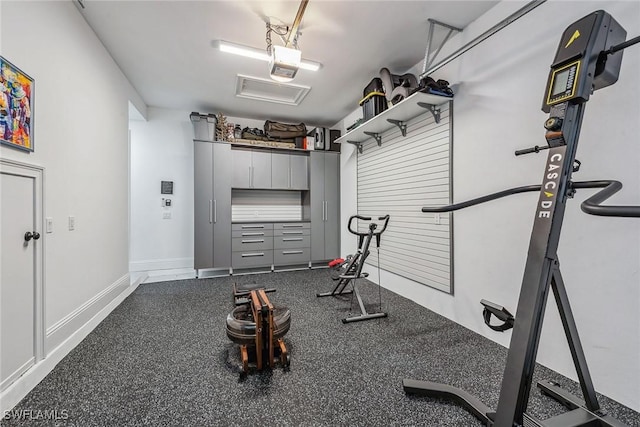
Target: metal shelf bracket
pixel 401 125
pixel 375 136
pixel 432 109
pixel 357 144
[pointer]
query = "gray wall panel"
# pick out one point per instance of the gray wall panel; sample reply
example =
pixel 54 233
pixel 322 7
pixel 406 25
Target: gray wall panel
pixel 399 178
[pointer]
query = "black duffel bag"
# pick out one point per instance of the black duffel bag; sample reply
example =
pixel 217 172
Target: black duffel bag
pixel 282 130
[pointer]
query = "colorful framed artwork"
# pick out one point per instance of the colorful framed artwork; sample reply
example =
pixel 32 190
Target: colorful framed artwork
pixel 16 107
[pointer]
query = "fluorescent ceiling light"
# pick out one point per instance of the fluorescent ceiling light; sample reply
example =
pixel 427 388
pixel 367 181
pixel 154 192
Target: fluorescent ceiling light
pixel 260 54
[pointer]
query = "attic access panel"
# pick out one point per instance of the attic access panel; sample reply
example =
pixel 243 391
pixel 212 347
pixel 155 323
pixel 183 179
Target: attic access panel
pixel 270 91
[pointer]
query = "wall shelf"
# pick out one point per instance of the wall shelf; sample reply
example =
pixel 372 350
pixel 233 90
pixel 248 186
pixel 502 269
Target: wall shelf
pixel 398 115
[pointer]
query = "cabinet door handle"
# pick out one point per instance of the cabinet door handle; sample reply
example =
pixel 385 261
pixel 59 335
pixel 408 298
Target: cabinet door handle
pixel 291 225
pixel 210 211
pixel 253 241
pixel 253 254
pixel 290 178
pixel 292 239
pixel 215 211
pixel 292 232
pixel 253 226
pixel 252 234
pixel 291 252
pixel 250 177
pixel 326 217
pixel 323 210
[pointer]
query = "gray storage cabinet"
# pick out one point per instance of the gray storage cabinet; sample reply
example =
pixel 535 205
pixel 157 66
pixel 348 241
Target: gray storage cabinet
pixel 291 243
pixel 251 168
pixel 289 171
pixel 325 205
pixel 212 205
pixel 252 245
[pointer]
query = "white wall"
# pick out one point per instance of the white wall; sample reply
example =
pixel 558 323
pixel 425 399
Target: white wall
pixel 497 111
pixel 161 150
pixel 80 138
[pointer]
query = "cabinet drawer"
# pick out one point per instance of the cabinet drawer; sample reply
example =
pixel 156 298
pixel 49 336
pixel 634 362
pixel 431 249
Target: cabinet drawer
pixel 248 259
pixel 289 242
pixel 252 233
pixel 291 256
pixel 291 226
pixel 251 243
pixel 293 232
pixel 251 226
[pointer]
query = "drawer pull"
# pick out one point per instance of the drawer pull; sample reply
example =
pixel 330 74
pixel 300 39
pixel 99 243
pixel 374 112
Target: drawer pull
pixel 292 252
pixel 252 226
pixel 292 232
pixel 292 239
pixel 253 254
pixel 253 241
pixel 291 225
pixel 252 234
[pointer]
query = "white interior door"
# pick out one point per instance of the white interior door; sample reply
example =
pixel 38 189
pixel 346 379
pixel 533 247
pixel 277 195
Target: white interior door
pixel 21 332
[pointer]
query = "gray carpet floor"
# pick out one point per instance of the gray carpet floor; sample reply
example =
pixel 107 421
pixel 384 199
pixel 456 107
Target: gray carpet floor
pixel 162 358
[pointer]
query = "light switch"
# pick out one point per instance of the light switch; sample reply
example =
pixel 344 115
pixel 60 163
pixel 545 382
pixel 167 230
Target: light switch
pixel 436 218
pixel 72 223
pixel 49 225
pixel 166 215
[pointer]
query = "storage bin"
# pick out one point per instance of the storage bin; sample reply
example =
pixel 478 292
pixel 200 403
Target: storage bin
pixel 374 101
pixel 204 126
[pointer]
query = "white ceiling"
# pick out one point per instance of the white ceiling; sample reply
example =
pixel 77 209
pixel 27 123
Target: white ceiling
pixel 165 49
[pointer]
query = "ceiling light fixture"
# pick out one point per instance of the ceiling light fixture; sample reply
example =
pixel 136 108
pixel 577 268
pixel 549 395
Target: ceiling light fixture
pixel 284 61
pixel 260 54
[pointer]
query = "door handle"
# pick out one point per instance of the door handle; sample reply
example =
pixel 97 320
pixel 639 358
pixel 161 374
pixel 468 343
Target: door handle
pixel 210 211
pixel 326 207
pixel 323 210
pixel 215 211
pixel 29 235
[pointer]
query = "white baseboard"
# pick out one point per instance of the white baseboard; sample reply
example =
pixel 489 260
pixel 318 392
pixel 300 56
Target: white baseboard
pixel 72 322
pixel 168 275
pixel 19 389
pixel 161 264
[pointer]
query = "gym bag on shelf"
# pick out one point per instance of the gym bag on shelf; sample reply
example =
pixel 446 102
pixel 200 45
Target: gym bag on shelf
pixel 282 130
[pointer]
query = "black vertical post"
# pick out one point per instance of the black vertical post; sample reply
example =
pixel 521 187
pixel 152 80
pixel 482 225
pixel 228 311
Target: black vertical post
pixel 541 258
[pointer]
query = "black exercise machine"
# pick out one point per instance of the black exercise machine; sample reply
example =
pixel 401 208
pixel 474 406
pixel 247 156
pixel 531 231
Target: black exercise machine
pixel 351 269
pixel 588 58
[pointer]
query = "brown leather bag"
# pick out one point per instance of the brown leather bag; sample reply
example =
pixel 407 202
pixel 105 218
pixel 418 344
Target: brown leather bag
pixel 282 130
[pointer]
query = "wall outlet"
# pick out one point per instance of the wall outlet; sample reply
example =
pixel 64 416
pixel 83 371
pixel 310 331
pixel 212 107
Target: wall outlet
pixel 436 218
pixel 49 225
pixel 72 223
pixel 166 215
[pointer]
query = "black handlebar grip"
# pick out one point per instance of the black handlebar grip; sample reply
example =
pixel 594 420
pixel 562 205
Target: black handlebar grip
pixel 535 149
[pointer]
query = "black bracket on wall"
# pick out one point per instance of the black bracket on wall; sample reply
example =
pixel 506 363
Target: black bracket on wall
pixel 357 144
pixel 375 136
pixel 401 125
pixel 433 109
